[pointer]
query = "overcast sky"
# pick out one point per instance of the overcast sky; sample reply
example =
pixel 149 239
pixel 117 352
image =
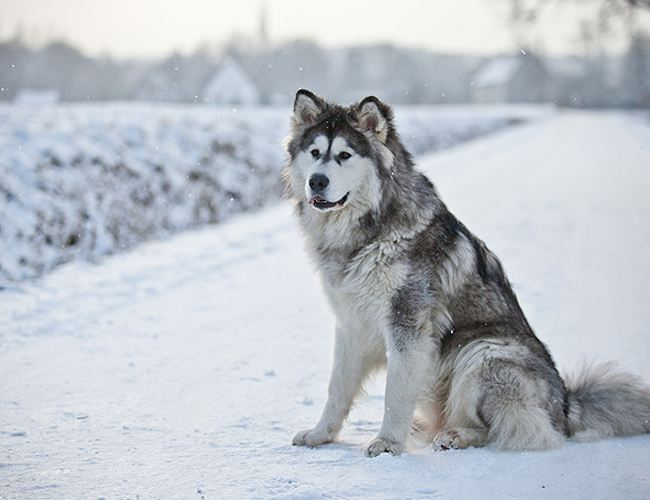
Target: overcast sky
pixel 137 28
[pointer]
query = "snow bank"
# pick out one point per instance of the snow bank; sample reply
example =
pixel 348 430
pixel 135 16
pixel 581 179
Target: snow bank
pixel 86 180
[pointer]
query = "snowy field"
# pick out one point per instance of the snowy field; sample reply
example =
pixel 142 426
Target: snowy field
pixel 182 369
pixel 80 181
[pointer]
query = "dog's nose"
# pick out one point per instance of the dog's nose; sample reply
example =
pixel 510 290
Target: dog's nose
pixel 318 182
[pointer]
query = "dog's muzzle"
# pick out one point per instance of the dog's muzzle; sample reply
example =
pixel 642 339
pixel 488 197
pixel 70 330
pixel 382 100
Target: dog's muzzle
pixel 322 204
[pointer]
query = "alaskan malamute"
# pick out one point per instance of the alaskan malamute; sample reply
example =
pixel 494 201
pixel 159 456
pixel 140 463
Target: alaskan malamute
pixel 415 291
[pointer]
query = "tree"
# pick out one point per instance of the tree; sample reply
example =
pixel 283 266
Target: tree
pixel 606 13
pixel 637 71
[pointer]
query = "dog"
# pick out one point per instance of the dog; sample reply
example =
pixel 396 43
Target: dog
pixel 416 293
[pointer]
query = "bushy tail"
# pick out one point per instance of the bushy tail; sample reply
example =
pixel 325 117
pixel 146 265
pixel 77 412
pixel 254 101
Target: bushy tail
pixel 606 402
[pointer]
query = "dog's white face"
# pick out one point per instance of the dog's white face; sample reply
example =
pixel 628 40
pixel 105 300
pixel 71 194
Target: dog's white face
pixel 331 153
pixel 332 173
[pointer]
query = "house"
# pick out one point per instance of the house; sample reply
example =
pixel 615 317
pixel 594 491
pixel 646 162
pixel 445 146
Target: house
pixel 231 85
pixel 160 83
pixel 512 79
pixel 176 79
pixel 570 80
pixel 159 86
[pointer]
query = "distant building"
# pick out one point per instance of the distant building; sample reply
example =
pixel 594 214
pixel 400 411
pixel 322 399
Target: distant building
pixel 161 83
pixel 512 79
pixel 37 96
pixel 160 86
pixel 570 79
pixel 231 85
pixel 263 30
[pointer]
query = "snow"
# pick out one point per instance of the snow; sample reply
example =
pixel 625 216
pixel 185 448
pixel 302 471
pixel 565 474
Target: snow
pixel 37 97
pixel 83 181
pixel 183 368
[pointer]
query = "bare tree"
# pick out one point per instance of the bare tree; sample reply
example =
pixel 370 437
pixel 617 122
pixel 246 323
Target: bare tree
pixel 524 13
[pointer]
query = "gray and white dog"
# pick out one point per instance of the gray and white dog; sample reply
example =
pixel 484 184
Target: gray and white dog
pixel 416 292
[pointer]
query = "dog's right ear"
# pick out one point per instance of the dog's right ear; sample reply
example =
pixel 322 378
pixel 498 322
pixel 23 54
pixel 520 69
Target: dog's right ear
pixel 307 107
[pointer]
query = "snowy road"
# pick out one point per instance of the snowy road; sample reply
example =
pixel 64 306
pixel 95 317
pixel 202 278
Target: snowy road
pixel 183 369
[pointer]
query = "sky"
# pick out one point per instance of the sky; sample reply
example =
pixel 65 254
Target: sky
pixel 153 28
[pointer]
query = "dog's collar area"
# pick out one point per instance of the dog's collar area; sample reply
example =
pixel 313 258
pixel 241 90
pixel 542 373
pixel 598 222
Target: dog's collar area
pixel 322 204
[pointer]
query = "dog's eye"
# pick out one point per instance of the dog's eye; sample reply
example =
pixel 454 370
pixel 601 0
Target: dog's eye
pixel 315 153
pixel 344 155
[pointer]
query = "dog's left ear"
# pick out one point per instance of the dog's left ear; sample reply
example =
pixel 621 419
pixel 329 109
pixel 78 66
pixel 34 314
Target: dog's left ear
pixel 374 117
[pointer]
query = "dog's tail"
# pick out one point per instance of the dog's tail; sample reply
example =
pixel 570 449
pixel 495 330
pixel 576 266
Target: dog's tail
pixel 604 401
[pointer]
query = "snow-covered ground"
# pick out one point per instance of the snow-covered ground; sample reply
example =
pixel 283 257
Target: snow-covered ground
pixel 80 181
pixel 182 369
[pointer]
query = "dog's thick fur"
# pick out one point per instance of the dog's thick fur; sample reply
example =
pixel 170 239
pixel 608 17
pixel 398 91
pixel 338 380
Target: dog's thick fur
pixel 415 291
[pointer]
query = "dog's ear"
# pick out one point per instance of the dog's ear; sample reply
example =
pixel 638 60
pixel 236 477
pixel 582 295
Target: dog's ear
pixel 374 117
pixel 307 107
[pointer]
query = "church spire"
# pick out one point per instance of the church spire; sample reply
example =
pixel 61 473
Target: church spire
pixel 263 33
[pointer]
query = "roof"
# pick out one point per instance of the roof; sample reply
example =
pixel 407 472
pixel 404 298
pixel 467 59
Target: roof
pixel 570 67
pixel 498 71
pixel 231 85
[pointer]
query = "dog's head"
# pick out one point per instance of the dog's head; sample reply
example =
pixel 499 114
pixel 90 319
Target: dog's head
pixel 335 151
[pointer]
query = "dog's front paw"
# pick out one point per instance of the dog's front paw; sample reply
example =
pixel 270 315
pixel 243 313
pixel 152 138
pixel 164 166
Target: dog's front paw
pixel 312 438
pixel 379 445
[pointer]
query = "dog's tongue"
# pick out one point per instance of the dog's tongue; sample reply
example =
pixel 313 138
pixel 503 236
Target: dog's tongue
pixel 317 199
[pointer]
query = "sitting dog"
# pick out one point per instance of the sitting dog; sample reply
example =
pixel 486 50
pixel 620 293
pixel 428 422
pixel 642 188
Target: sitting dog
pixel 416 292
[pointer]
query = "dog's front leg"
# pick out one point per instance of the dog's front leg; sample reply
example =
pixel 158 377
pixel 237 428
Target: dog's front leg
pixel 351 366
pixel 408 365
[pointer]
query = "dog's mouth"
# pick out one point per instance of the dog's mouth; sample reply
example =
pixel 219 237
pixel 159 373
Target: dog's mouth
pixel 322 204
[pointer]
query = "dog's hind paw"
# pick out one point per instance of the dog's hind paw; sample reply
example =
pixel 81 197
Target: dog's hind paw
pixel 459 438
pixel 379 445
pixel 312 438
pixel 447 440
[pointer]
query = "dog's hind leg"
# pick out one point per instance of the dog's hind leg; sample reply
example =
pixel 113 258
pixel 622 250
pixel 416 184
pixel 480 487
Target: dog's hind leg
pixel 503 400
pixel 463 426
pixel 515 406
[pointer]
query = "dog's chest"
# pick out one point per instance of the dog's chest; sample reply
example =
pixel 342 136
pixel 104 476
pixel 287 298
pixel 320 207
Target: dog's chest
pixel 361 287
